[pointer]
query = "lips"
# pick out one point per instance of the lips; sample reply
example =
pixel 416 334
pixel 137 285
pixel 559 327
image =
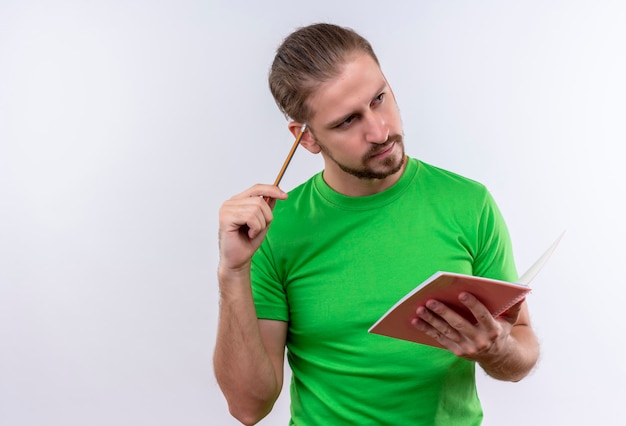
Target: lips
pixel 385 151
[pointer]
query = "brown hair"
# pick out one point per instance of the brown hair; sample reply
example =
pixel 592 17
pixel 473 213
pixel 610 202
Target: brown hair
pixel 308 57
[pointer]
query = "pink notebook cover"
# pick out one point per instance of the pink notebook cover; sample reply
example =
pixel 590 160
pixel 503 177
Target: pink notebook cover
pixel 497 296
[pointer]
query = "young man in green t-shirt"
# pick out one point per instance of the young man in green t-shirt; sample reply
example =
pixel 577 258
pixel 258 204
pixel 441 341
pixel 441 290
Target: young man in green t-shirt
pixel 343 247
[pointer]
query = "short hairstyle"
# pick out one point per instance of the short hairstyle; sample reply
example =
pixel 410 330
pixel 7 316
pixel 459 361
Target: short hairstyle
pixel 308 57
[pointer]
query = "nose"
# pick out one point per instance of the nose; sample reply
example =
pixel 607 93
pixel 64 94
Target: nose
pixel 376 130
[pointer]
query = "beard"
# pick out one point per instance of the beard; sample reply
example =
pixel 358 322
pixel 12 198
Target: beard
pixel 385 168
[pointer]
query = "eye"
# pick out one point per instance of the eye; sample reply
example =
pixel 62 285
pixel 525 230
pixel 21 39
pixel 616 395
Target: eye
pixel 346 122
pixel 379 99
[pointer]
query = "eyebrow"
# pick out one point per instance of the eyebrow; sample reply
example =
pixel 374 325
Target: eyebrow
pixel 334 123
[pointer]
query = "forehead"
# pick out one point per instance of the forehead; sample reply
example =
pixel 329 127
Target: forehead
pixel 359 80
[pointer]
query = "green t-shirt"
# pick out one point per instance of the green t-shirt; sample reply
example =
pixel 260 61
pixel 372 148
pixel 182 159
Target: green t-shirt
pixel 331 265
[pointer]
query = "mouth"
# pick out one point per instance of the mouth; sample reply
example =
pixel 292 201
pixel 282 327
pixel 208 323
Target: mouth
pixel 385 151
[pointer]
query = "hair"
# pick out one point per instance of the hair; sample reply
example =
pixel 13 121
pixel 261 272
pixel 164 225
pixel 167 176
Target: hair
pixel 307 58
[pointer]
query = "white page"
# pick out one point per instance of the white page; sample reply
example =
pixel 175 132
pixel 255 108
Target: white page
pixel 528 276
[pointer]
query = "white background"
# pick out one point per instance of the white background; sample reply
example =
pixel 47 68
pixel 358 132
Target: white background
pixel 124 124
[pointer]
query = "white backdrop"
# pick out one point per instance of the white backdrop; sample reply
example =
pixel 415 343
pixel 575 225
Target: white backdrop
pixel 124 124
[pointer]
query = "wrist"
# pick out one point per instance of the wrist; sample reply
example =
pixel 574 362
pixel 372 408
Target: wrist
pixel 504 363
pixel 233 278
pixel 229 271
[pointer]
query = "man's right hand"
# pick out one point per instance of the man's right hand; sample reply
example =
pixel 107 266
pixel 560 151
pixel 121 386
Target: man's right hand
pixel 243 223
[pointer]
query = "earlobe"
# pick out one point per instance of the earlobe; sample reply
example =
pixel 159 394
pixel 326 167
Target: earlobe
pixel 309 143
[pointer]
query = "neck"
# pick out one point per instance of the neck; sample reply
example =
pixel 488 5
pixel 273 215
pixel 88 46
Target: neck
pixel 352 186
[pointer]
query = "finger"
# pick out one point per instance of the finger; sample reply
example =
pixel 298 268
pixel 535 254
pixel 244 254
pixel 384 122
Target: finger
pixel 449 315
pixel 260 216
pixel 262 190
pixel 254 225
pixel 439 327
pixel 252 213
pixel 478 310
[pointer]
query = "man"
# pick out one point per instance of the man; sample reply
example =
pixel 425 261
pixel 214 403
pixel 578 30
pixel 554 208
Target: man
pixel 345 246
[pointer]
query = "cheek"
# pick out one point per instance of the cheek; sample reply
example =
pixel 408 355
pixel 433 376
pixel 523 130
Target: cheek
pixel 348 147
pixel 350 150
pixel 392 115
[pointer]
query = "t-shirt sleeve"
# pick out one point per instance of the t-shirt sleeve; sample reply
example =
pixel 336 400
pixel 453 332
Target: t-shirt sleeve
pixel 270 299
pixel 494 258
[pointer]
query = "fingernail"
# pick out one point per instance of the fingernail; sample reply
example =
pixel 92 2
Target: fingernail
pixel 432 304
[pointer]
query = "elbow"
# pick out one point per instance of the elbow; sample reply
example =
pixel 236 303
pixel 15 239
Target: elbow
pixel 248 415
pixel 248 406
pixel 246 420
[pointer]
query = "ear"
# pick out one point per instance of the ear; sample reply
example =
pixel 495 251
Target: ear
pixel 308 141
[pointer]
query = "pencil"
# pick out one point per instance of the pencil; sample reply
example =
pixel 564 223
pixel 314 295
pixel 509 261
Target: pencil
pixel 288 159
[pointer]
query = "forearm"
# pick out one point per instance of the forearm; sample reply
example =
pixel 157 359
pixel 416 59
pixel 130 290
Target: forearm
pixel 517 358
pixel 243 367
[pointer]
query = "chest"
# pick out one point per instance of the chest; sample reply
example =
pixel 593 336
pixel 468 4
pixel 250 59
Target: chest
pixel 339 280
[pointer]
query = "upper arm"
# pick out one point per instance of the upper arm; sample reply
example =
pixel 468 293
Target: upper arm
pixel 274 336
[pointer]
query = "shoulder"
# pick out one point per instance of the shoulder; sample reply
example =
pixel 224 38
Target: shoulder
pixel 299 198
pixel 444 181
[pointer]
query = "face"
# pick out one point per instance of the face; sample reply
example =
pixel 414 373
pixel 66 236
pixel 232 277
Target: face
pixel 356 126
